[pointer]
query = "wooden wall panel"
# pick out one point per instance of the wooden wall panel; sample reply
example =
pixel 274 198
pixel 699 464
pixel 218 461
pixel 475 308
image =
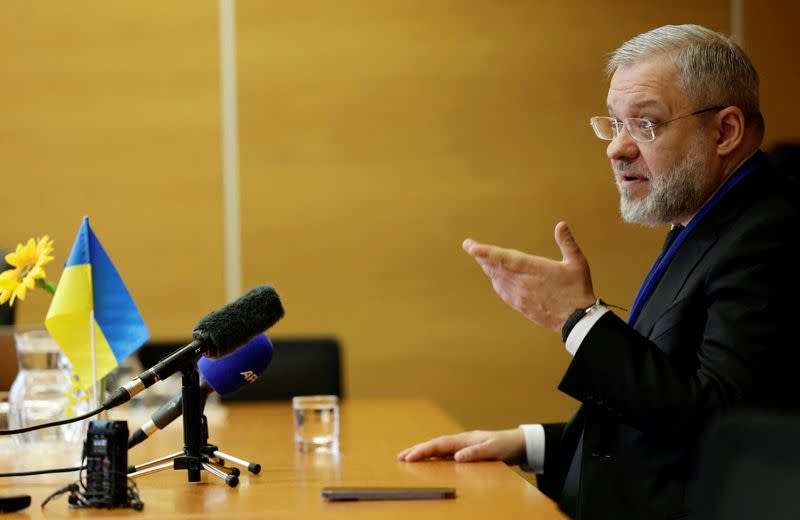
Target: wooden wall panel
pixel 769 38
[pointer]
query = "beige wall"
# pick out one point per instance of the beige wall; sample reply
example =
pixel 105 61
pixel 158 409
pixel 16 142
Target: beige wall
pixel 375 137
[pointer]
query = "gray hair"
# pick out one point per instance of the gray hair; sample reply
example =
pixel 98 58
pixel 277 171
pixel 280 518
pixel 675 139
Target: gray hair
pixel 714 70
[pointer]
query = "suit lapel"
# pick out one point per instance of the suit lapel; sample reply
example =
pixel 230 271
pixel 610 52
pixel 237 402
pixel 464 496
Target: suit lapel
pixel 693 250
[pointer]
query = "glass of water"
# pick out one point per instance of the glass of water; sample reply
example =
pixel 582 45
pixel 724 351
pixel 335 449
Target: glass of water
pixel 316 423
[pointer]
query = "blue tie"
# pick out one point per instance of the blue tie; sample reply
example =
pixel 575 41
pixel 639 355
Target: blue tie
pixel 671 236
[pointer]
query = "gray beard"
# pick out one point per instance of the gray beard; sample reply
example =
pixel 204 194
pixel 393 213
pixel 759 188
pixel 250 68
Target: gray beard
pixel 676 194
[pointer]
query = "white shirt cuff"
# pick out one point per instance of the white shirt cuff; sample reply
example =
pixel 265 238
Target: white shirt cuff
pixel 582 328
pixel 534 447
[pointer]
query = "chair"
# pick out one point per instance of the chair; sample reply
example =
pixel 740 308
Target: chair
pixel 300 366
pixel 749 467
pixel 785 157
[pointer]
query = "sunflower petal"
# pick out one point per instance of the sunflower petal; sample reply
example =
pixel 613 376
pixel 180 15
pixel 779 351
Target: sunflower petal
pixel 20 293
pixel 30 247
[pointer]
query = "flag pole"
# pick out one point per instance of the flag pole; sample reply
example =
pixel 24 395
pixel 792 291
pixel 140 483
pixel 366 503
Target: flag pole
pixel 95 397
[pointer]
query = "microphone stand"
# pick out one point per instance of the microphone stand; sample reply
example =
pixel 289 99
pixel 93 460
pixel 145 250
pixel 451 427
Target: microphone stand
pixel 197 453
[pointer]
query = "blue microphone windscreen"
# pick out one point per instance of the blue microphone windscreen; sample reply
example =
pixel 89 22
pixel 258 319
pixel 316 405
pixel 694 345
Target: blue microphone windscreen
pixel 229 373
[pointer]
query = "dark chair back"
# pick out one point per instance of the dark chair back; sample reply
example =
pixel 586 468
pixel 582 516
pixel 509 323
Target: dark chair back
pixel 785 157
pixel 300 366
pixel 749 467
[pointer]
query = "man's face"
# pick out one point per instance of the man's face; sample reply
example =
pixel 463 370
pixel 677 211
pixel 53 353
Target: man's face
pixel 667 180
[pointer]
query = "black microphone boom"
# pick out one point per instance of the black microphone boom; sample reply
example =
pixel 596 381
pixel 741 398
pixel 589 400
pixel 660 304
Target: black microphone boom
pixel 219 333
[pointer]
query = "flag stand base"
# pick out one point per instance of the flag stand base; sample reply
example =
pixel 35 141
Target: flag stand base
pixel 197 453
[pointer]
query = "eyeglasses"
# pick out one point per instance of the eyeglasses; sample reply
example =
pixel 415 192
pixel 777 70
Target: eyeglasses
pixel 642 130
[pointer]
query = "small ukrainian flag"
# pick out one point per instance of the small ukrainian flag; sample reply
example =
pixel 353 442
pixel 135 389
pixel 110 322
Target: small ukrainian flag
pixel 91 283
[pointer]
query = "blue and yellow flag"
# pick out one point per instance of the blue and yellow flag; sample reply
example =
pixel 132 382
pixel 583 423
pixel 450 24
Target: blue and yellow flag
pixel 90 282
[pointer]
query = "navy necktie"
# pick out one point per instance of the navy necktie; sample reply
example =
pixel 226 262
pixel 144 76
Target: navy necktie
pixel 671 236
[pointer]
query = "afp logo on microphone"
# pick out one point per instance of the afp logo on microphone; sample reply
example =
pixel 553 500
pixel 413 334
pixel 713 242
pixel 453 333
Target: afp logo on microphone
pixel 249 376
pixel 239 368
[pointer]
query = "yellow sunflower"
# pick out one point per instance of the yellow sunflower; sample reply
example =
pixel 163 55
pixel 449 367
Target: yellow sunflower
pixel 27 271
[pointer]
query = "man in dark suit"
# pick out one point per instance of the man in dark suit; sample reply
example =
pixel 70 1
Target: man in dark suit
pixel 712 327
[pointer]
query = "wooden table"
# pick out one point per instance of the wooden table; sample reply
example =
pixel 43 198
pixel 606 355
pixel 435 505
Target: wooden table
pixel 372 432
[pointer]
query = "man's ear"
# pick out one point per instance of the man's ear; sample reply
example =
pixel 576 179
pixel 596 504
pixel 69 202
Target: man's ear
pixel 730 125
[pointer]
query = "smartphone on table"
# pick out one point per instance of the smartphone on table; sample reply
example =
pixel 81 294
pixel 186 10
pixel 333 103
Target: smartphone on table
pixel 342 493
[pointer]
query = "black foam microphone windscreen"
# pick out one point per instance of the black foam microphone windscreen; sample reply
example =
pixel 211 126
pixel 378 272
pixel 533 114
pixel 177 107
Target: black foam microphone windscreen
pixel 234 324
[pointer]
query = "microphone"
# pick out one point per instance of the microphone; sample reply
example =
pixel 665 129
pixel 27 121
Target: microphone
pixel 219 333
pixel 224 375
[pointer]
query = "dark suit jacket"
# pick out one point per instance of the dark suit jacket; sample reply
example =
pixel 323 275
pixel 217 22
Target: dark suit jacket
pixel 719 331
